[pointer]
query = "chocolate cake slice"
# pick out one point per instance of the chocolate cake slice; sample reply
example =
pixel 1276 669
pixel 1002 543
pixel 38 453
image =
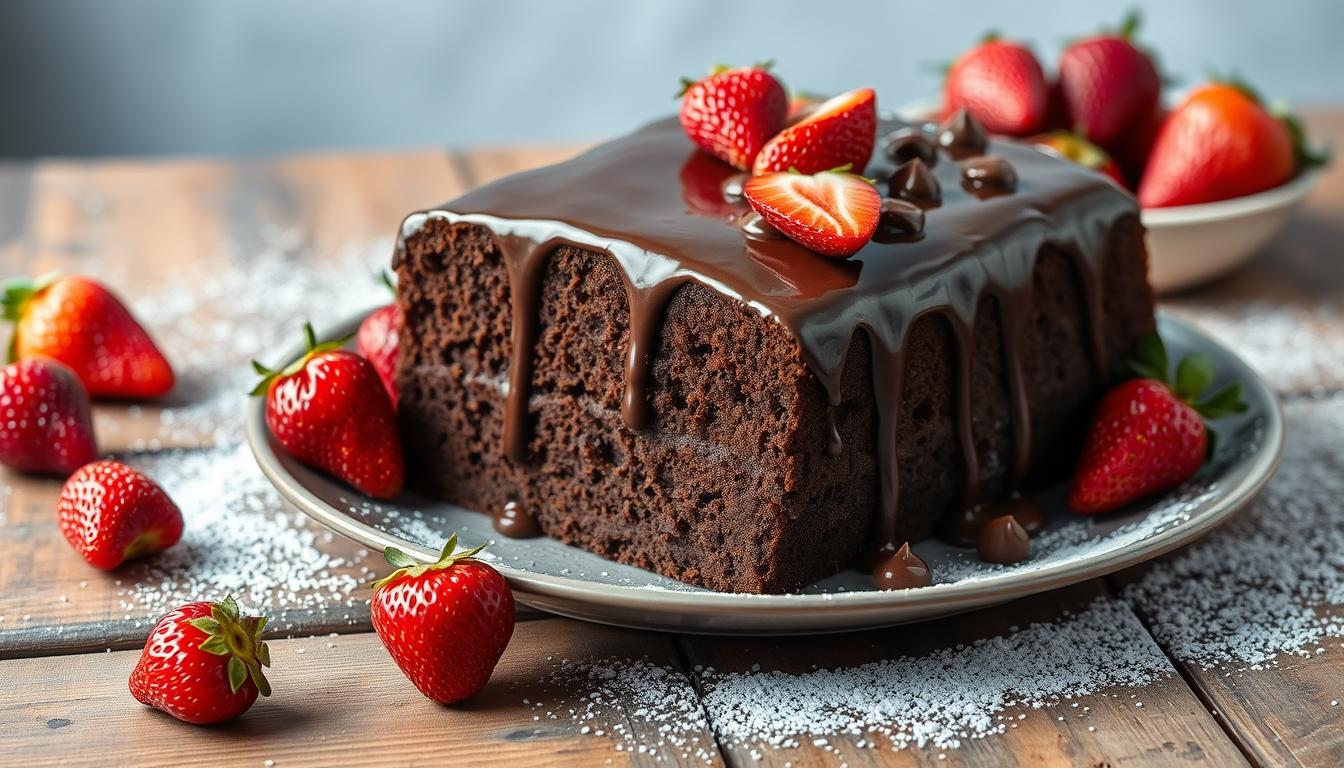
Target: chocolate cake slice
pixel 619 354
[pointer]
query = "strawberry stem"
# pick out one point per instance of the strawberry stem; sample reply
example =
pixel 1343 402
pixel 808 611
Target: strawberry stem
pixel 385 278
pixel 1194 376
pixel 229 633
pixel 408 566
pixel 313 348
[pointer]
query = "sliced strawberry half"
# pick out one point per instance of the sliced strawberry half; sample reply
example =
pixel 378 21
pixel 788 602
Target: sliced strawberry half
pixel 833 212
pixel 841 131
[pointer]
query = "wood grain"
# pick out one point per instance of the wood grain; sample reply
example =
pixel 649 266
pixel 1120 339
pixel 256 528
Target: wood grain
pixel 484 165
pixel 1173 727
pixel 347 705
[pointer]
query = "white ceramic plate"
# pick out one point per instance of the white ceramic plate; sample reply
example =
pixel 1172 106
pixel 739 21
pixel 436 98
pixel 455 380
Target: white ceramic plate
pixel 1192 244
pixel 553 577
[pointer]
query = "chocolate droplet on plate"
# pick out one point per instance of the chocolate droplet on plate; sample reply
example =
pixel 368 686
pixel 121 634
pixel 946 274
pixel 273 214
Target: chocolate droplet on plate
pixel 990 172
pixel 1003 540
pixel 962 134
pixel 1028 513
pixel 903 570
pixel 732 187
pixel 909 143
pixel 914 181
pixel 962 528
pixel 516 522
pixel 755 225
pixel 900 218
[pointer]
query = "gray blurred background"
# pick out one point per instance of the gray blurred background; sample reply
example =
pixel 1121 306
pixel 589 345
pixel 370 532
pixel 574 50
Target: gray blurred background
pixel 258 76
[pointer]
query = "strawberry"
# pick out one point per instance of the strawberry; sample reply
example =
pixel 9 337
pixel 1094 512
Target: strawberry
pixel 833 212
pixel 839 131
pixel 47 427
pixel 1003 86
pixel 732 113
pixel 702 178
pixel 1148 435
pixel 110 513
pixel 82 324
pixel 202 663
pixel 1108 85
pixel 1218 144
pixel 447 623
pixel 1134 150
pixel 377 341
pixel 1081 151
pixel 329 409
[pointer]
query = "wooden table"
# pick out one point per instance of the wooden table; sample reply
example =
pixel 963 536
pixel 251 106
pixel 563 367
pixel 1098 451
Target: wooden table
pixel 68 636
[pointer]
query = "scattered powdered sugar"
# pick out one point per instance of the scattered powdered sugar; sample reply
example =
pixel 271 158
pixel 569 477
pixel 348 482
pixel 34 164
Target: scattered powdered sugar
pixel 1290 346
pixel 1272 580
pixel 239 539
pixel 939 699
pixel 645 708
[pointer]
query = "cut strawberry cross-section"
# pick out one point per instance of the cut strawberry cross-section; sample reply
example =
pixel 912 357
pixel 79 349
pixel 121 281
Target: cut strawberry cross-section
pixel 833 212
pixel 841 131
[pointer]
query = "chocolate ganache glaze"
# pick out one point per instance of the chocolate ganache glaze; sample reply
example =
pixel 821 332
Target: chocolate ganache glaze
pixel 656 206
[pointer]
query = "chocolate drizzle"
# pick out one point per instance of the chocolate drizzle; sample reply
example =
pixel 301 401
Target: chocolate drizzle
pixel 516 521
pixel 625 199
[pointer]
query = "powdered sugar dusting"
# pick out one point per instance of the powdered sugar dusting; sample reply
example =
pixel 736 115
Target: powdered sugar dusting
pixel 939 699
pixel 1271 581
pixel 1293 347
pixel 239 539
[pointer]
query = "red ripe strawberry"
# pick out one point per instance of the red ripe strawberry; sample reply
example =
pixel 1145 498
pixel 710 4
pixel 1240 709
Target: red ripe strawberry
pixel 1002 84
pixel 202 663
pixel 83 325
pixel 832 212
pixel 840 131
pixel 328 409
pixel 111 513
pixel 378 341
pixel 46 426
pixel 1108 85
pixel 732 113
pixel 447 623
pixel 1081 151
pixel 1218 144
pixel 702 178
pixel 1148 435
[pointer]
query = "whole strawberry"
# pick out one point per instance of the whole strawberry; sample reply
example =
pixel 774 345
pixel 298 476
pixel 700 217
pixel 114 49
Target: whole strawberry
pixel 378 341
pixel 732 113
pixel 839 132
pixel 833 213
pixel 447 623
pixel 78 322
pixel 1003 86
pixel 47 428
pixel 1109 87
pixel 1149 435
pixel 111 513
pixel 1220 143
pixel 329 410
pixel 202 663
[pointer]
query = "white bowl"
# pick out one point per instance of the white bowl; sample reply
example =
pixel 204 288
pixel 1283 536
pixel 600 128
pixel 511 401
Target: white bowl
pixel 1192 244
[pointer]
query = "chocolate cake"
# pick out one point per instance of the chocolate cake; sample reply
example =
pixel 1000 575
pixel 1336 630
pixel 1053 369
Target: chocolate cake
pixel 615 352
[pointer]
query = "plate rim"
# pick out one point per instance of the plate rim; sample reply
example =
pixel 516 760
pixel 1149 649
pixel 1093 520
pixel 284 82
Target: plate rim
pixel 741 611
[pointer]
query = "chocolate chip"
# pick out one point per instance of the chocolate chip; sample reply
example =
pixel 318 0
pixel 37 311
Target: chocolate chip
pixel 1003 540
pixel 907 144
pixel 900 217
pixel 903 570
pixel 989 172
pixel 914 181
pixel 962 134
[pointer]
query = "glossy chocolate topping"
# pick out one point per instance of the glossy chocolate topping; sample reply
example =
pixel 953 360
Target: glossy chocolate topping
pixel 1003 540
pixel 900 218
pixel 989 172
pixel 903 570
pixel 655 205
pixel 906 144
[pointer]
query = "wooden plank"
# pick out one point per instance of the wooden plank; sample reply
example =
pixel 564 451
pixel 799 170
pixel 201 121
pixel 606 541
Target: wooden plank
pixel 484 165
pixel 1160 723
pixel 343 704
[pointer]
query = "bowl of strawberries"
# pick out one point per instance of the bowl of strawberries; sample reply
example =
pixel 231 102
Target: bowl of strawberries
pixel 1216 171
